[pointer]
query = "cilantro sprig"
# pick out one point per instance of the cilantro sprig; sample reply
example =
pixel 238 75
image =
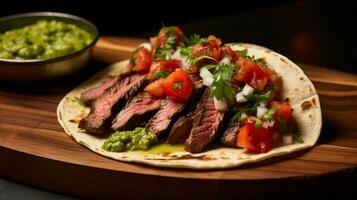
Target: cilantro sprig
pixel 160 74
pixel 254 101
pixel 221 85
pixel 244 53
pixel 194 39
pixel 164 52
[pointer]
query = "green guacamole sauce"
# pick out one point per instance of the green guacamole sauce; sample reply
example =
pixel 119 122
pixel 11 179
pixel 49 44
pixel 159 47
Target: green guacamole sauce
pixel 44 39
pixel 138 139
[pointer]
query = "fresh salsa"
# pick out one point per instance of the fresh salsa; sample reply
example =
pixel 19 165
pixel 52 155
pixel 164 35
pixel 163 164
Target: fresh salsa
pixel 243 87
pixel 42 40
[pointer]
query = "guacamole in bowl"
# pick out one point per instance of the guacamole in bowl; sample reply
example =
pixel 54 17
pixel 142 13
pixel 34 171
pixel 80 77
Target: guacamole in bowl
pixel 42 40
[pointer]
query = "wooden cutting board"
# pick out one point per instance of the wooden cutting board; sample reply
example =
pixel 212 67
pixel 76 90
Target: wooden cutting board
pixel 35 150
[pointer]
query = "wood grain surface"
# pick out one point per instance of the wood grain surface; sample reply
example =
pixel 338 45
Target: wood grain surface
pixel 35 150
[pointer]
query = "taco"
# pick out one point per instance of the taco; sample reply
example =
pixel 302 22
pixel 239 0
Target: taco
pixel 191 102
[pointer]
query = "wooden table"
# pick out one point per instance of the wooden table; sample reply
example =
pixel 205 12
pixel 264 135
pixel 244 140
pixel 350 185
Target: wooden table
pixel 35 150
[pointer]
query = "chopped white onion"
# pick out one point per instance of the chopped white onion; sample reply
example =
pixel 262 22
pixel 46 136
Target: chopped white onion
pixel 240 98
pixel 146 46
pixel 176 55
pixel 261 111
pixel 206 76
pixel 220 105
pixel 287 139
pixel 186 62
pixel 243 116
pixel 262 104
pixel 247 90
pixel 225 60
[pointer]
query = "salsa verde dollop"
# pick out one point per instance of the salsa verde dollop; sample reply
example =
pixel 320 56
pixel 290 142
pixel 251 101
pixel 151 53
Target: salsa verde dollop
pixel 42 40
pixel 138 139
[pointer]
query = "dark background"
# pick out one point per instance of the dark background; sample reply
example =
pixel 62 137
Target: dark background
pixel 316 32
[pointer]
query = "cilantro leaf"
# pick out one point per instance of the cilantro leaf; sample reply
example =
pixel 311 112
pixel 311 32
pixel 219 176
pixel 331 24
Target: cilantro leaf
pixel 221 85
pixel 194 39
pixel 160 74
pixel 283 124
pixel 269 114
pixel 259 97
pixel 186 52
pixel 258 124
pixel 244 53
pixel 164 52
pixel 249 108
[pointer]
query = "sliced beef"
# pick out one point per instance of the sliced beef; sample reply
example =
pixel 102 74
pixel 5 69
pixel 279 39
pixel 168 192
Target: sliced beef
pixel 137 110
pixel 170 110
pixel 162 119
pixel 100 116
pixel 88 96
pixel 181 129
pixel 206 122
pixel 229 136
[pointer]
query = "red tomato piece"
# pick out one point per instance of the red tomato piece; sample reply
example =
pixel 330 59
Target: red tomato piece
pixel 255 140
pixel 209 48
pixel 178 86
pixel 141 60
pixel 168 32
pixel 283 109
pixel 252 73
pixel 215 39
pixel 155 88
pixel 164 65
pixel 153 41
pixel 230 53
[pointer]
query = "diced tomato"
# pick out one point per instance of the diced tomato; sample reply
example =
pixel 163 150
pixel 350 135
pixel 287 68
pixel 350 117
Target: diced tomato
pixel 140 60
pixel 153 42
pixel 230 53
pixel 179 35
pixel 255 140
pixel 178 86
pixel 164 65
pixel 168 32
pixel 283 109
pixel 215 39
pixel 252 73
pixel 210 49
pixel 155 88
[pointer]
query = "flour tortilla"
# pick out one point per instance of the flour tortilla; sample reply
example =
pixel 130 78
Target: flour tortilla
pixel 296 87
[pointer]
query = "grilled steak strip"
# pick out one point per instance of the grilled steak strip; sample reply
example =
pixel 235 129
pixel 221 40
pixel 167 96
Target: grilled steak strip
pixel 100 116
pixel 206 122
pixel 161 120
pixel 137 110
pixel 89 95
pixel 181 129
pixel 229 136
